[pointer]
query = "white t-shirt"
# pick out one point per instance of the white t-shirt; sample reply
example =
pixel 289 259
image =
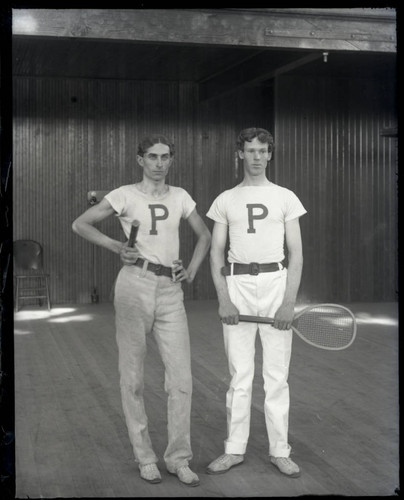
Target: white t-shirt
pixel 256 217
pixel 158 234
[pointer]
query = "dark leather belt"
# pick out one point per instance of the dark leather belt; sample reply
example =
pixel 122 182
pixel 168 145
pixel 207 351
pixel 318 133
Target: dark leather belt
pixel 253 268
pixel 157 269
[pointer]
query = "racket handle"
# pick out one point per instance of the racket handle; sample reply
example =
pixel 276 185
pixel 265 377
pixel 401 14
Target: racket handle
pixel 133 233
pixel 255 319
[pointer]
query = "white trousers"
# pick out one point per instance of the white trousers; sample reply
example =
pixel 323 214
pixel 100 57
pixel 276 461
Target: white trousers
pixel 257 295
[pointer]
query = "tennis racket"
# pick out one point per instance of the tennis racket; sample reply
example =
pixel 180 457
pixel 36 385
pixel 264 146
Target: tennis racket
pixel 326 326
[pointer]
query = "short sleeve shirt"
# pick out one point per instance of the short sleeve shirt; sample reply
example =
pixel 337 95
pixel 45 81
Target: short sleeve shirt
pixel 158 233
pixel 256 217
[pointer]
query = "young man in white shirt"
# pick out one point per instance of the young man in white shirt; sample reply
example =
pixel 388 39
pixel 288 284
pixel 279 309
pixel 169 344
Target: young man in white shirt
pixel 149 298
pixel 258 216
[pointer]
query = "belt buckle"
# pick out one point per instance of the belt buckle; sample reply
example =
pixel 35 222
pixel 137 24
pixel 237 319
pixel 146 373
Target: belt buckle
pixel 158 270
pixel 254 268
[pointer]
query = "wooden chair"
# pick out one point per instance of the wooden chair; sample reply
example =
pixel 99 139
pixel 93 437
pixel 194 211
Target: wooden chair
pixel 31 282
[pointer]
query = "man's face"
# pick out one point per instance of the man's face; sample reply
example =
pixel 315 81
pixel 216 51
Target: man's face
pixel 156 162
pixel 255 156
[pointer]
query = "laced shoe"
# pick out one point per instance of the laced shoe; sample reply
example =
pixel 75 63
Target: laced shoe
pixel 223 463
pixel 185 475
pixel 286 466
pixel 150 473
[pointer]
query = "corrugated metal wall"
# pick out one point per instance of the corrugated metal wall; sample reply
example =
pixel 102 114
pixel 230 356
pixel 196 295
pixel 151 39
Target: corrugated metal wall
pixel 329 149
pixel 72 136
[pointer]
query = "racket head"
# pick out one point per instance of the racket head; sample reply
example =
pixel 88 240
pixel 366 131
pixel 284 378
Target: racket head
pixel 326 326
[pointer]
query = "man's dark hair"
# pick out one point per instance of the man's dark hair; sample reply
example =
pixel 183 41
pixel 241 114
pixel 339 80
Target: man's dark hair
pixel 151 140
pixel 248 134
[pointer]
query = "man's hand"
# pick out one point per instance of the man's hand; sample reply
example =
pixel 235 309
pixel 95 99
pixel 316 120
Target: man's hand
pixel 228 313
pixel 284 317
pixel 129 255
pixel 180 273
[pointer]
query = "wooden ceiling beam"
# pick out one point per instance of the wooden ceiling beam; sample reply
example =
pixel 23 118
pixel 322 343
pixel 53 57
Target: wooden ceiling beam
pixel 261 28
pixel 212 89
pixel 227 69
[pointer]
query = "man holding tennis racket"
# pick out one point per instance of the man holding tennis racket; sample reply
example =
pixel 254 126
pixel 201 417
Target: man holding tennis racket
pixel 259 217
pixel 149 299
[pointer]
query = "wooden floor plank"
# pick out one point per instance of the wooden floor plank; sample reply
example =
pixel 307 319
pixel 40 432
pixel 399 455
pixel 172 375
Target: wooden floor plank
pixel 71 436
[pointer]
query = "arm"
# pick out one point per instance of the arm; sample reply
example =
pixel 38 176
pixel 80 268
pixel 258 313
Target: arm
pixel 84 227
pixel 200 250
pixel 284 315
pixel 228 312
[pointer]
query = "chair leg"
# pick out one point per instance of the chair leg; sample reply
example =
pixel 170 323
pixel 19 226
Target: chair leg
pixel 40 288
pixel 47 293
pixel 17 282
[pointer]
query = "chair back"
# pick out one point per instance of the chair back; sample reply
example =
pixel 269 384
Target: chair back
pixel 28 255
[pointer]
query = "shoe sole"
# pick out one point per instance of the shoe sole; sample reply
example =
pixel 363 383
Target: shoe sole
pixel 293 476
pixel 223 471
pixel 151 481
pixel 195 483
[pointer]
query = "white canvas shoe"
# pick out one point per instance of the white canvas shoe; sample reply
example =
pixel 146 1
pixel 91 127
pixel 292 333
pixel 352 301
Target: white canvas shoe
pixel 223 463
pixel 286 466
pixel 150 473
pixel 185 475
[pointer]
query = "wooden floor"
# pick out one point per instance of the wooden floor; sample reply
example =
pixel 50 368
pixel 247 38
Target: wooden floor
pixel 71 438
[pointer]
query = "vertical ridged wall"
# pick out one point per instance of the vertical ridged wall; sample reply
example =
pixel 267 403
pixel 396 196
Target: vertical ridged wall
pixel 331 152
pixel 72 136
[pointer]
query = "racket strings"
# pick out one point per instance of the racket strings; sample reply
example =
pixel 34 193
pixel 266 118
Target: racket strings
pixel 328 327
